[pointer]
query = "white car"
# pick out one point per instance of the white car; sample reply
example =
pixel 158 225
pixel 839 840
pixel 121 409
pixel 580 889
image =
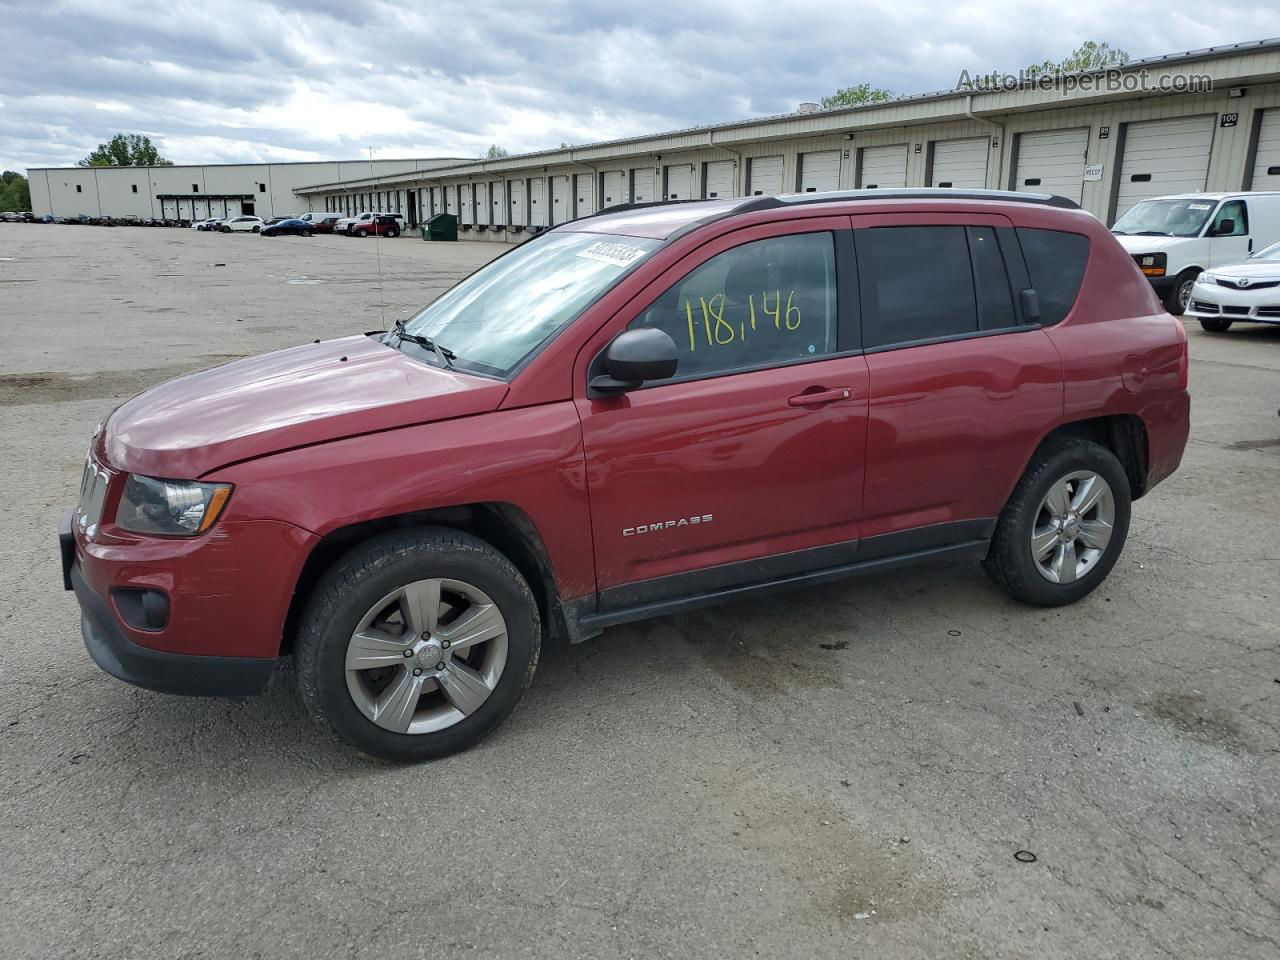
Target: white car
pixel 210 224
pixel 1174 238
pixel 1247 291
pixel 347 224
pixel 242 225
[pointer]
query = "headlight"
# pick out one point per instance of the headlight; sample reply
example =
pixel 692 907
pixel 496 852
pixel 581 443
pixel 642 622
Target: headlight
pixel 1207 277
pixel 180 508
pixel 1152 264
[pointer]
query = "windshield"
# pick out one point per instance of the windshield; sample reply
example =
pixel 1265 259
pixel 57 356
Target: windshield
pixel 1268 253
pixel 1165 218
pixel 502 313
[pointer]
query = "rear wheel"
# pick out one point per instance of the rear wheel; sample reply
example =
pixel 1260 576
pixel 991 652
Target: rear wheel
pixel 417 643
pixel 1215 326
pixel 1179 295
pixel 393 233
pixel 1064 527
pixel 257 229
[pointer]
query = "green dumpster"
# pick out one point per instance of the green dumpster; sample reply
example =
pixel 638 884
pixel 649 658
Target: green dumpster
pixel 443 226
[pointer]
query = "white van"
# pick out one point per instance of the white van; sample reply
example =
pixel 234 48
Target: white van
pixel 313 216
pixel 1174 238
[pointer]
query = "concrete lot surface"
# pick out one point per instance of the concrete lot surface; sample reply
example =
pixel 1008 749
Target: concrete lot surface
pixel 841 772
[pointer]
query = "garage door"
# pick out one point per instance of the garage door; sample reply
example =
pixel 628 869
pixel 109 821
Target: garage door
pixel 1052 161
pixel 679 180
pixel 467 214
pixel 615 188
pixel 1163 156
pixel 717 179
pixel 882 167
pixel 819 171
pixel 451 199
pixel 482 203
pixel 764 176
pixel 584 190
pixel 537 202
pixel 1266 161
pixel 642 185
pixel 497 204
pixel 516 189
pixel 961 164
pixel 560 201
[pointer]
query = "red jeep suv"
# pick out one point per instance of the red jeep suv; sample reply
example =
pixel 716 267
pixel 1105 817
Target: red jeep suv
pixel 656 407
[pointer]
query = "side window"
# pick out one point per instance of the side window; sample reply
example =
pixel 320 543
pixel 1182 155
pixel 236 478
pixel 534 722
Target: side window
pixel 1235 211
pixel 991 279
pixel 764 303
pixel 1055 264
pixel 918 284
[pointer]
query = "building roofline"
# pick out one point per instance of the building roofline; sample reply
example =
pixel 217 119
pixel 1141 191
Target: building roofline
pixel 256 163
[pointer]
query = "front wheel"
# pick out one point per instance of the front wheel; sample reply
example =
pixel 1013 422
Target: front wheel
pixel 362 232
pixel 1064 527
pixel 1178 298
pixel 1215 326
pixel 226 229
pixel 417 643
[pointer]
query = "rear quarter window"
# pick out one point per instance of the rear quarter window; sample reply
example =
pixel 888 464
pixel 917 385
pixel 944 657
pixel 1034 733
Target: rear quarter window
pixel 1055 262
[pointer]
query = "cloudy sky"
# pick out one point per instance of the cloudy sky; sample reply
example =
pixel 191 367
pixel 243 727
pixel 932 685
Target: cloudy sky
pixel 236 80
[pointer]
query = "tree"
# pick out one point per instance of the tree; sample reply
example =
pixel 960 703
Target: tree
pixel 126 150
pixel 15 192
pixel 855 95
pixel 1090 55
pixel 496 152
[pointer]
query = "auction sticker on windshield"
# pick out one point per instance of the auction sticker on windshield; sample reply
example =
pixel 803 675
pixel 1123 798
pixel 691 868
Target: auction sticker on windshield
pixel 610 251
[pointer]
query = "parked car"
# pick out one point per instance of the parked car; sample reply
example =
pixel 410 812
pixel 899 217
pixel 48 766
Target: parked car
pixel 211 224
pixel 381 224
pixel 312 216
pixel 326 222
pixel 1243 292
pixel 1173 239
pixel 11 216
pixel 349 225
pixel 292 227
pixel 627 416
pixel 241 225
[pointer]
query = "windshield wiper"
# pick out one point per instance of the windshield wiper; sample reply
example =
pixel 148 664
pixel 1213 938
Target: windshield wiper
pixel 1152 233
pixel 445 354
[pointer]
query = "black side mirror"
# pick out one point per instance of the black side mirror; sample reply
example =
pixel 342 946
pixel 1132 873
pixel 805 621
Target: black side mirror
pixel 1225 228
pixel 633 357
pixel 1030 301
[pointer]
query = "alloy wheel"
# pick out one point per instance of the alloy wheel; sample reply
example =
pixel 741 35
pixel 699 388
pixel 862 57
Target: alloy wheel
pixel 426 656
pixel 1073 526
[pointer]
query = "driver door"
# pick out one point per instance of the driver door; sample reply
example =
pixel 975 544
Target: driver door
pixel 747 465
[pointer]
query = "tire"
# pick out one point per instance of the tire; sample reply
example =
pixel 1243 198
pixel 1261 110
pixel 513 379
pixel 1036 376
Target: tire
pixel 392 234
pixel 308 233
pixel 1178 295
pixel 362 232
pixel 1215 326
pixel 362 582
pixel 256 230
pixel 1011 560
pixel 225 229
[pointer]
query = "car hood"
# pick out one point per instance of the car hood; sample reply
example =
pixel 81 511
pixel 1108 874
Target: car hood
pixel 184 428
pixel 1253 269
pixel 1138 245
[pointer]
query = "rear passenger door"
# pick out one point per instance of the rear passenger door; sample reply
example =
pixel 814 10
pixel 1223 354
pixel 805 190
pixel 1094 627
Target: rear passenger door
pixel 961 387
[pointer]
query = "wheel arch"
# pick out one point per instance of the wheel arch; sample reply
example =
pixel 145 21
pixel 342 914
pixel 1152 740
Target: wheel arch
pixel 504 526
pixel 1124 434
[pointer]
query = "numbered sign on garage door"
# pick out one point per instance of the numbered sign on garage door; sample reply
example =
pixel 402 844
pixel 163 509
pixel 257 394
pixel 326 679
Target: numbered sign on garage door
pixel 642 185
pixel 819 171
pixel 961 164
pixel 1163 156
pixel 615 188
pixel 679 178
pixel 717 179
pixel 1266 161
pixel 764 176
pixel 584 191
pixel 1052 161
pixel 881 168
pixel 516 190
pixel 561 199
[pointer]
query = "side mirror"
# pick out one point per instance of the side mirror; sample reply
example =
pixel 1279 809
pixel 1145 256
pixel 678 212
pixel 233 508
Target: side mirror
pixel 1225 228
pixel 633 357
pixel 1030 301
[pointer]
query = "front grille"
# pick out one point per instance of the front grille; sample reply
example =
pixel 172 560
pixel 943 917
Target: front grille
pixel 1199 306
pixel 1273 312
pixel 1253 285
pixel 1236 311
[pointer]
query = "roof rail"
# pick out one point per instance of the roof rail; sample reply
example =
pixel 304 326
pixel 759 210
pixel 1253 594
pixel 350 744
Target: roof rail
pixel 926 193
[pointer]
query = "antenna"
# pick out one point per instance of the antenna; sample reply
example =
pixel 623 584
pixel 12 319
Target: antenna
pixel 377 252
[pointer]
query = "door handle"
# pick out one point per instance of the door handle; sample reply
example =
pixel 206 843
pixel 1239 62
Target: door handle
pixel 818 398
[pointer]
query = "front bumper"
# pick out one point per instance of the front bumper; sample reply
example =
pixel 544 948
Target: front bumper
pixel 140 658
pixel 1214 301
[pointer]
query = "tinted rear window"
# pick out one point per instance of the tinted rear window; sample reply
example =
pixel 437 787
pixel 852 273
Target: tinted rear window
pixel 1056 262
pixel 922 282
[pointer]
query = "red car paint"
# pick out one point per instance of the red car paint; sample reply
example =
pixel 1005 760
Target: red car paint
pixel 320 437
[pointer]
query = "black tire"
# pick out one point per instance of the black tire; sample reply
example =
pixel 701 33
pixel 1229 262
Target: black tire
pixel 392 234
pixel 1215 326
pixel 1174 301
pixel 308 233
pixel 373 570
pixel 225 229
pixel 256 230
pixel 362 232
pixel 1010 562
